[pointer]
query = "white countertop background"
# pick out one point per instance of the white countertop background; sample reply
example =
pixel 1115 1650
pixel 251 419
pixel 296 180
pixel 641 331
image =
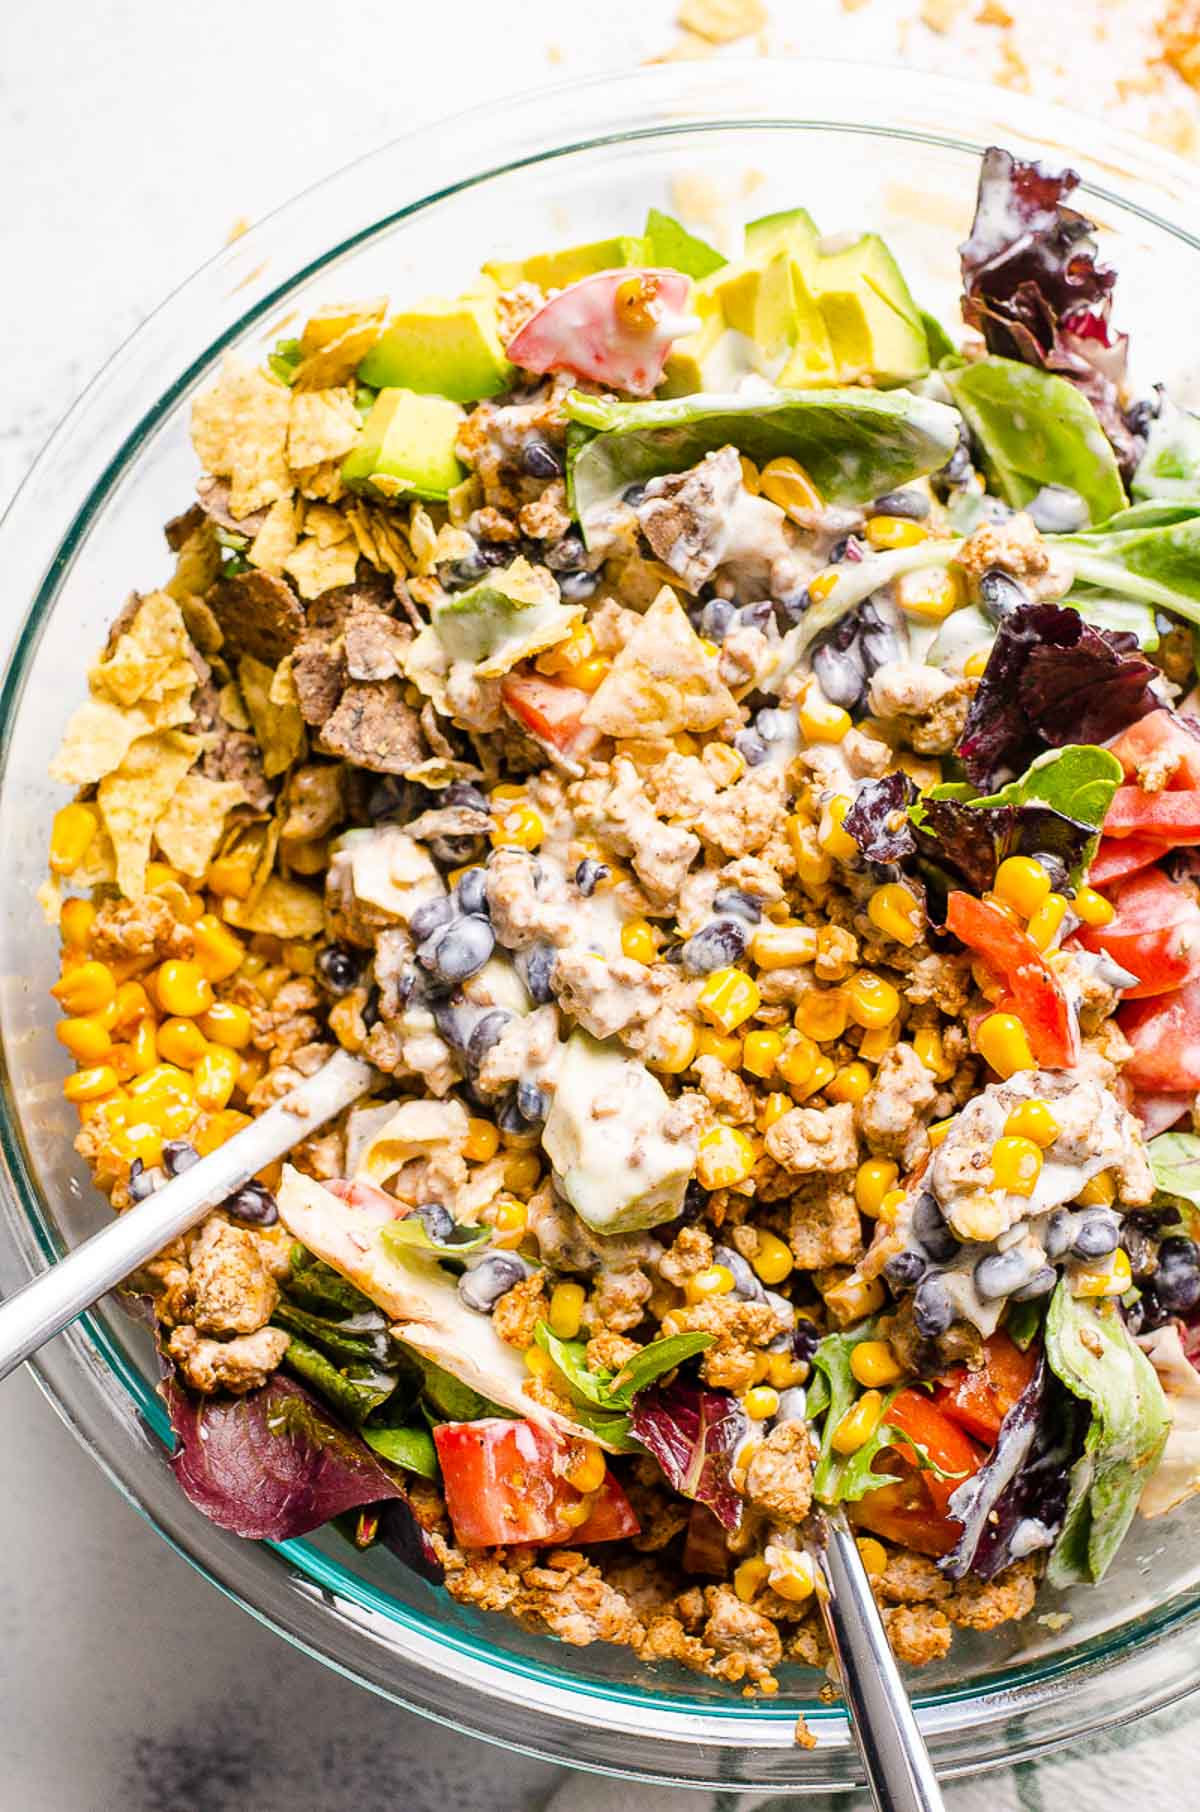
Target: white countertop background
pixel 134 134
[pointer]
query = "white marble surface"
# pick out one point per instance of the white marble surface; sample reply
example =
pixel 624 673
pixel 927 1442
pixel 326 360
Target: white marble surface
pixel 133 134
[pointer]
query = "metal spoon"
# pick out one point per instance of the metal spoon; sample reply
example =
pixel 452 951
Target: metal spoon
pixel 46 1305
pixel 899 1771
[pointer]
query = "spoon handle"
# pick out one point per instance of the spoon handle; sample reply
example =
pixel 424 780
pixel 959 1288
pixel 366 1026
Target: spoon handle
pixel 899 1771
pixel 44 1307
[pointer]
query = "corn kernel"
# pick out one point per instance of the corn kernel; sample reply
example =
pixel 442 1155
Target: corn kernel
pixel 1092 907
pixel 714 1280
pixel 877 1042
pixel 761 1051
pixel 975 665
pixel 269 980
pixel 1016 1164
pixel 871 1001
pixel 212 1130
pixel 896 911
pixel 579 645
pixel 749 1578
pixel 165 1080
pixel 565 1314
pixel 143 1046
pixel 183 989
pixel 725 1157
pixel 299 956
pixel 793 1576
pixel 87 988
pixel 1032 1120
pixel 822 584
pixel 759 1363
pixel 638 941
pixel 859 1423
pixel 1099 1191
pixel 71 833
pixel 215 1077
pixel 761 1402
pixel 519 828
pixel 1111 1276
pixel 231 877
pixel 218 953
pixel 750 478
pixel 90 1084
pixel 538 1362
pixel 871 1183
pixel 1045 922
pixel 509 1221
pixel 819 720
pixel 227 1024
pixel 1022 883
pixel 726 1050
pixel 930 594
pixel 889 1208
pixel 774 1108
pixel 522 1173
pixel 834 840
pixel 772 1259
pixel 821 1014
pixel 823 1073
pixel 679 1048
pixel 785 1372
pixel 854 1298
pixel 938 1130
pixel 786 483
pixel 587 1474
pixel 1004 1045
pixel 798 1063
pixel 482 1141
pixel 814 868
pixel 895 531
pixel 872 1362
pixel 75 924
pixel 251 1071
pixel 728 998
pixel 850 1083
pixel 86 1039
pixel 873 1555
pixel 181 1041
pixel 927 1043
pixel 783 946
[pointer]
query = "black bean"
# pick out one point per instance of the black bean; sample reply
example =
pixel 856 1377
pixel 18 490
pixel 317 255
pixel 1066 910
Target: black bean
pixel 567 555
pixel 848 548
pixel 790 605
pixel 1177 1280
pixel 745 1283
pixel 533 1103
pixel 470 797
pixel 141 1181
pixel 430 916
pixel 539 459
pixel 717 619
pixel 1040 1284
pixel 806 1338
pixel 633 494
pixel 715 947
pixel 456 852
pixel 1140 1249
pixel 372 1006
pixel 339 967
pixel 487 1031
pixel 178 1156
pixel 771 724
pixel 999 594
pixel 389 798
pixel 255 1204
pixel 1058 1234
pixel 1097 1233
pixel 509 1117
pixel 1000 1273
pixel 958 466
pixel 437 1221
pixel 1058 510
pixel 760 615
pixel 931 1230
pixel 751 747
pixel 460 950
pixel 933 1310
pixel 457 575
pixel 535 967
pixel 471 893
pixel 1139 415
pixel 455 1023
pixel 911 505
pixel 589 875
pixel 486 1282
pixel 575 587
pixel 840 674
pixel 695 1202
pixel 743 905
pixel 904 1269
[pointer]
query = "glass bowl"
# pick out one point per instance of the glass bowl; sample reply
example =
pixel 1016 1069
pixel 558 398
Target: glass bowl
pixel 860 147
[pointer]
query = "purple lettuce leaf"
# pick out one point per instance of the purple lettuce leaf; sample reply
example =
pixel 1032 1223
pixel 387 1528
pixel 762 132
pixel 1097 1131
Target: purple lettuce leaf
pixel 1035 289
pixel 274 1464
pixel 693 1433
pixel 1051 679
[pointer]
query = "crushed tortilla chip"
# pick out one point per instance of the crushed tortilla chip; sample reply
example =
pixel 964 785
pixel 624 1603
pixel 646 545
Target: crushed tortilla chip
pixel 323 483
pixel 232 707
pixel 202 625
pixel 335 341
pixel 99 735
pixel 197 562
pixel 324 425
pixel 135 796
pixel 662 681
pixel 316 569
pixel 275 539
pixel 282 909
pixel 722 21
pixel 99 865
pixel 278 727
pixel 239 431
pixel 189 832
pixel 149 659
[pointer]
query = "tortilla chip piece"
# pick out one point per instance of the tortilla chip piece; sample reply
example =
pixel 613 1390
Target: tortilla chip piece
pixel 259 615
pixel 197 551
pixel 232 706
pixel 135 796
pixel 662 682
pixel 202 626
pixel 99 735
pixel 324 425
pixel 275 539
pixel 190 830
pixel 239 431
pixel 316 569
pixel 149 658
pixel 283 909
pixel 722 21
pixel 335 341
pixel 279 728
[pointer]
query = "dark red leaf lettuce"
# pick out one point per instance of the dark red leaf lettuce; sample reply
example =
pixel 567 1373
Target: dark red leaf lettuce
pixel 693 1433
pixel 274 1464
pixel 1035 290
pixel 1051 679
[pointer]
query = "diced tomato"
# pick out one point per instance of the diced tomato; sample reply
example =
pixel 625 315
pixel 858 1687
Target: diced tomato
pixel 1121 856
pixel 705 1549
pixel 1155 934
pixel 502 1488
pixel 979 1400
pixel 552 713
pixel 903 1513
pixel 1165 1035
pixel 1159 1113
pixel 1038 1000
pixel 919 1417
pixel 1162 736
pixel 616 327
pixel 1170 817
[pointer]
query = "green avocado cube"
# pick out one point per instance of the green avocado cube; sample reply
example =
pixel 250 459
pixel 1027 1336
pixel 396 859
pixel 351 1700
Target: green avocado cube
pixel 444 347
pixel 769 302
pixel 554 270
pixel 873 322
pixel 407 447
pixel 794 228
pixel 670 246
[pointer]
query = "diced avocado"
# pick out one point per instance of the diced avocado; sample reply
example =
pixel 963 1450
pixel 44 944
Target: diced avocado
pixel 768 302
pixel 688 360
pixel 554 270
pixel 407 447
pixel 874 324
pixel 444 347
pixel 670 246
pixel 513 613
pixel 794 228
pixel 603 1138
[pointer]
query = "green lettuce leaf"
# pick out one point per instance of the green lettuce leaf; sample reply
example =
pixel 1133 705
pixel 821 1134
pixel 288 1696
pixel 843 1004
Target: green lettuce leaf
pixel 603 1399
pixel 412 1235
pixel 670 246
pixel 411 1448
pixel 1175 1162
pixel 354 1389
pixel 1154 561
pixel 1170 466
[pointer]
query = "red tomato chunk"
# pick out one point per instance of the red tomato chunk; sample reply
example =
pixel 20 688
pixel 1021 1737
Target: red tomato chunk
pixel 502 1488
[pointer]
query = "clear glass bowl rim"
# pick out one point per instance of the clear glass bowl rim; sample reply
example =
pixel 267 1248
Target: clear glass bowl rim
pixel 294 1588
